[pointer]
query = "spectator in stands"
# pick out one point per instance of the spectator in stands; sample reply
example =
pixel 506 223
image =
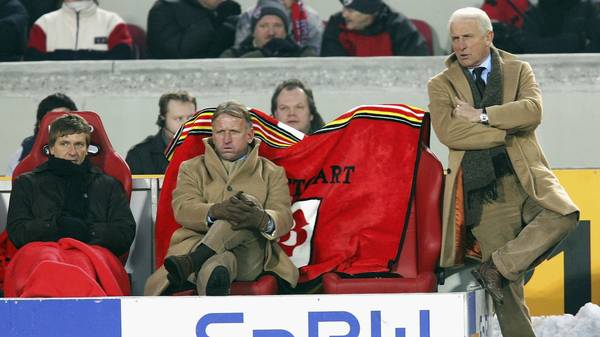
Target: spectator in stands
pixel 79 30
pixel 371 28
pixel 67 197
pixel 148 157
pixel 503 206
pixel 306 25
pixel 54 102
pixel 507 20
pixel 561 26
pixel 270 38
pixel 37 8
pixel 191 28
pixel 510 12
pixel 293 104
pixel 13 30
pixel 233 205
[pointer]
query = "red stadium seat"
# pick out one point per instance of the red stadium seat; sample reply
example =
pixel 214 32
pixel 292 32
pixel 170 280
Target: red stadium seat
pixel 415 270
pixel 426 32
pixel 265 285
pixel 138 35
pixel 109 161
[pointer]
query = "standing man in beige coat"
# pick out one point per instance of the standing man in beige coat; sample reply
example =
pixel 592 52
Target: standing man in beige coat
pixel 232 205
pixel 502 203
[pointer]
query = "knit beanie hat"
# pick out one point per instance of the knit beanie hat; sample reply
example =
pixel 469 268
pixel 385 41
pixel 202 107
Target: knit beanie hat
pixel 272 7
pixel 363 6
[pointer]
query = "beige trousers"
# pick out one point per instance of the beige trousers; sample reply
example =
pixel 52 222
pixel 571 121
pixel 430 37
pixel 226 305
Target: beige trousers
pixel 241 252
pixel 515 232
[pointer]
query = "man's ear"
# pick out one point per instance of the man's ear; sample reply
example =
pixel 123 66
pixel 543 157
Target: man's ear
pixel 490 37
pixel 251 138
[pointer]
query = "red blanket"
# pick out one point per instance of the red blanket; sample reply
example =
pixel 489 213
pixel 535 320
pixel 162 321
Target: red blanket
pixel 351 184
pixel 67 268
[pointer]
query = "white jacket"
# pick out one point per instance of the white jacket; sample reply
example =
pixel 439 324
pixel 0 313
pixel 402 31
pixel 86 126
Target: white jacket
pixel 93 29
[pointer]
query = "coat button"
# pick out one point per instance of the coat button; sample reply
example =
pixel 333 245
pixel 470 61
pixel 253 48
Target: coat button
pixel 448 171
pixel 229 188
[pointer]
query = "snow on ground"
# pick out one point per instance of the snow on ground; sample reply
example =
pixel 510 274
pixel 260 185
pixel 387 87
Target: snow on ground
pixel 586 323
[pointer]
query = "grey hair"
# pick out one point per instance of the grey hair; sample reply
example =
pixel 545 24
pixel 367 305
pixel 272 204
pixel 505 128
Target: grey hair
pixel 485 24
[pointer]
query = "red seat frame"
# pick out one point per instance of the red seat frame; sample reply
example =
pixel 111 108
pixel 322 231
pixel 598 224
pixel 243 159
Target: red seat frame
pixel 415 270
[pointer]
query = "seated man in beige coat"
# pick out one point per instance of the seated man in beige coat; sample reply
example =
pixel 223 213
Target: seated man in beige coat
pixel 232 205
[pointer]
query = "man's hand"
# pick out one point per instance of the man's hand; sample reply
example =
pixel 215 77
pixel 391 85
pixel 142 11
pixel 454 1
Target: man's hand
pixel 465 111
pixel 277 47
pixel 73 227
pixel 219 211
pixel 244 214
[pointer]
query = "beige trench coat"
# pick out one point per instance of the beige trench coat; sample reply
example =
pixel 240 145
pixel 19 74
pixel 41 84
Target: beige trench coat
pixel 511 124
pixel 202 181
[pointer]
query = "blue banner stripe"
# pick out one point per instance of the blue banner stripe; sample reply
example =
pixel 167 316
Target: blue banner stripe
pixel 471 312
pixel 60 318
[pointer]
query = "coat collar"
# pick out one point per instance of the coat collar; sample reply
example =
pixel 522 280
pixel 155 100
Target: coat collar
pixel 213 162
pixel 90 11
pixel 44 167
pixel 455 75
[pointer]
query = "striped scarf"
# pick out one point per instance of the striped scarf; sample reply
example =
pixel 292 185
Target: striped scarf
pixel 299 23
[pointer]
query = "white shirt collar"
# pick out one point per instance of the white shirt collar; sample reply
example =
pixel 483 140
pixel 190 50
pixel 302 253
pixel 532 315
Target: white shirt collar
pixel 487 64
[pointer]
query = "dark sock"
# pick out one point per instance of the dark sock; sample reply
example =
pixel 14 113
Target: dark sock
pixel 200 255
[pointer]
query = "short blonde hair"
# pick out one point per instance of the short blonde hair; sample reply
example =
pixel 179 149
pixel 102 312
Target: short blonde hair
pixel 485 24
pixel 234 109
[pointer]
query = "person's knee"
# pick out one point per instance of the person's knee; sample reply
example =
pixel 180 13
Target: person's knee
pixel 571 221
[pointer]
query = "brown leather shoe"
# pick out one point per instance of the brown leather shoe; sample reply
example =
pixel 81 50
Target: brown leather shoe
pixel 490 279
pixel 180 267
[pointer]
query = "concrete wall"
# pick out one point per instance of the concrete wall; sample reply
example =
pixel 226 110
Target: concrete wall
pixel 126 93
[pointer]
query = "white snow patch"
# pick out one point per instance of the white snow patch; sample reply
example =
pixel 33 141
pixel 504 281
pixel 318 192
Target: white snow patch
pixel 586 323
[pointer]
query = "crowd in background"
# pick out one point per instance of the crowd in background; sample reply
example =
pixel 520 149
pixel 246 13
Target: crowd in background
pixel 82 29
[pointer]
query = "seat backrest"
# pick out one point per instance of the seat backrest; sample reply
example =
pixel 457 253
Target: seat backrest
pixel 105 158
pixel 426 32
pixel 422 241
pixel 138 36
pixel 429 196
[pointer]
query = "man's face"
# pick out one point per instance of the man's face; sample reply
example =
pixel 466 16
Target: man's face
pixel 71 147
pixel 293 109
pixel 178 112
pixel 267 28
pixel 231 136
pixel 210 4
pixel 469 43
pixel 356 20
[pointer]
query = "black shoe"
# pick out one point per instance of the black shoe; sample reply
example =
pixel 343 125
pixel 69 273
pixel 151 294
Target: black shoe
pixel 490 279
pixel 218 283
pixel 180 267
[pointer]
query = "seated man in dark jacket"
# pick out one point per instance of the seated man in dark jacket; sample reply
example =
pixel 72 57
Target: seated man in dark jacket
pixel 148 157
pixel 191 28
pixel 70 222
pixel 371 28
pixel 269 38
pixel 13 30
